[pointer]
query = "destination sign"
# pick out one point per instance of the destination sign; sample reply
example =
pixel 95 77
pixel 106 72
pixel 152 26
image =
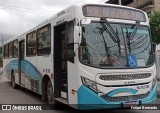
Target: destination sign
pixel 113 12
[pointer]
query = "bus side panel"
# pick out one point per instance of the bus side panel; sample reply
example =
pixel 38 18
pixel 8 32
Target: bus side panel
pixel 74 80
pixel 44 65
pixel 9 65
pixel 5 66
pixel 73 83
pixel 30 77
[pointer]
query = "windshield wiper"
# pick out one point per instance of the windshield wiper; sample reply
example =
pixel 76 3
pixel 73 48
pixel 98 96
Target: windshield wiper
pixel 134 30
pixel 128 40
pixel 130 36
pixel 101 30
pixel 114 35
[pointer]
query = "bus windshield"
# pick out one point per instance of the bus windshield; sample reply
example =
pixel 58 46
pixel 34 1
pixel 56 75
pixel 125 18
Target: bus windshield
pixel 115 46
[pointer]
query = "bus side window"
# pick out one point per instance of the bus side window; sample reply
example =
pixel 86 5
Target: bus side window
pixel 31 44
pixel 6 52
pixel 44 40
pixel 10 49
pixel 15 48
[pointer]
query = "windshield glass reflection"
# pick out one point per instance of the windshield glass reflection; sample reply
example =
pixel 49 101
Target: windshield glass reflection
pixel 115 45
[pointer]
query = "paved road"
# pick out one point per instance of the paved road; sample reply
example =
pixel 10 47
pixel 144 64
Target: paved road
pixel 21 96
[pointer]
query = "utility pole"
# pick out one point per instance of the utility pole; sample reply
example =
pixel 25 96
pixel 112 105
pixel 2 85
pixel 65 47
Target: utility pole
pixel 2 46
pixel 120 2
pixel 1 54
pixel 2 40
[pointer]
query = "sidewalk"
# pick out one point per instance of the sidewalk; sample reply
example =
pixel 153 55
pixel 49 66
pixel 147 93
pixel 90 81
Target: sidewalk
pixel 3 79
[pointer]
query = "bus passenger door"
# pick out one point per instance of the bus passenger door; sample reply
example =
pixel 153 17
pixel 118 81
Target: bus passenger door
pixel 60 62
pixel 20 58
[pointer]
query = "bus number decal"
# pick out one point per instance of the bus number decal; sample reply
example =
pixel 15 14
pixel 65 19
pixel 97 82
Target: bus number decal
pixel 46 70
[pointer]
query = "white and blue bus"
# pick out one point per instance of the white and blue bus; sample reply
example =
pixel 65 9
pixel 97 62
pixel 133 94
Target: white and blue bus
pixel 91 56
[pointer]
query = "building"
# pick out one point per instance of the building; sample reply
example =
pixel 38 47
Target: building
pixel 149 6
pixel 123 2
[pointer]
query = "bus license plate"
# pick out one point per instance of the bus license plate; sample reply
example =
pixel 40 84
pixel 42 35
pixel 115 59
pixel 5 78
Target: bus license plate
pixel 130 103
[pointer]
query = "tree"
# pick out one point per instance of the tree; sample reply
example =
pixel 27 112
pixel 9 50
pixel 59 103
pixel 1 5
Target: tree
pixel 0 50
pixel 155 27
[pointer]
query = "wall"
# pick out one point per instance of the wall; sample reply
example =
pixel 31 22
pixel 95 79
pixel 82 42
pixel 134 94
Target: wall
pixel 158 61
pixel 1 62
pixel 157 5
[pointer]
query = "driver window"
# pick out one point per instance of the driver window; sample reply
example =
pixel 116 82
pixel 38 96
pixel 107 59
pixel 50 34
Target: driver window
pixel 84 49
pixel 70 41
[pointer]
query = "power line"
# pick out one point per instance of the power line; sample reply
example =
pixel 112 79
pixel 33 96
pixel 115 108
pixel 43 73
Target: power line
pixel 26 10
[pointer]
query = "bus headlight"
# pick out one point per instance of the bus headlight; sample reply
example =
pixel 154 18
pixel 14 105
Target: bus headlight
pixel 89 83
pixel 153 82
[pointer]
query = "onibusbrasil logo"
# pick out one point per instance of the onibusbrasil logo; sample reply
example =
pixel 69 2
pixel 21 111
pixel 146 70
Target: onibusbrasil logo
pixel 21 107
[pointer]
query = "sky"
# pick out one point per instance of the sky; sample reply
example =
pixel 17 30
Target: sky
pixel 18 16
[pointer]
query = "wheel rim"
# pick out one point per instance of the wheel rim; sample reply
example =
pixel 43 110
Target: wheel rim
pixel 50 93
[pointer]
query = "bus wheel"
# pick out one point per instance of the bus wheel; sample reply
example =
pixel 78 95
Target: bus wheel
pixel 50 96
pixel 14 85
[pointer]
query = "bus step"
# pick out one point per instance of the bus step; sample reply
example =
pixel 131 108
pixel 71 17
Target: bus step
pixel 65 85
pixel 62 100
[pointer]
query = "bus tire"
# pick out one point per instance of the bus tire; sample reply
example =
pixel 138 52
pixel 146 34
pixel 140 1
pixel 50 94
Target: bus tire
pixel 14 85
pixel 50 96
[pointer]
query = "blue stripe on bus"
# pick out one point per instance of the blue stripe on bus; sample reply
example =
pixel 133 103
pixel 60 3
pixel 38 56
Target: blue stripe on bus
pixel 27 69
pixel 152 95
pixel 122 90
pixel 88 99
pixel 11 65
pixel 30 70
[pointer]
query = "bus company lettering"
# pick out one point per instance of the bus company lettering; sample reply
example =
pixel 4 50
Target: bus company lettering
pixel 130 82
pixel 46 70
pixel 143 87
pixel 60 21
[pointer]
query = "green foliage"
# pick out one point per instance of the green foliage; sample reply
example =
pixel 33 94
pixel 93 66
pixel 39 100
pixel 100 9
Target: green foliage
pixel 0 50
pixel 155 27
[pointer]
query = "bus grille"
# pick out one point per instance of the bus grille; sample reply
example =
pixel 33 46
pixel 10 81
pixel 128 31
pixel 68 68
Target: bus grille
pixel 125 77
pixel 124 98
